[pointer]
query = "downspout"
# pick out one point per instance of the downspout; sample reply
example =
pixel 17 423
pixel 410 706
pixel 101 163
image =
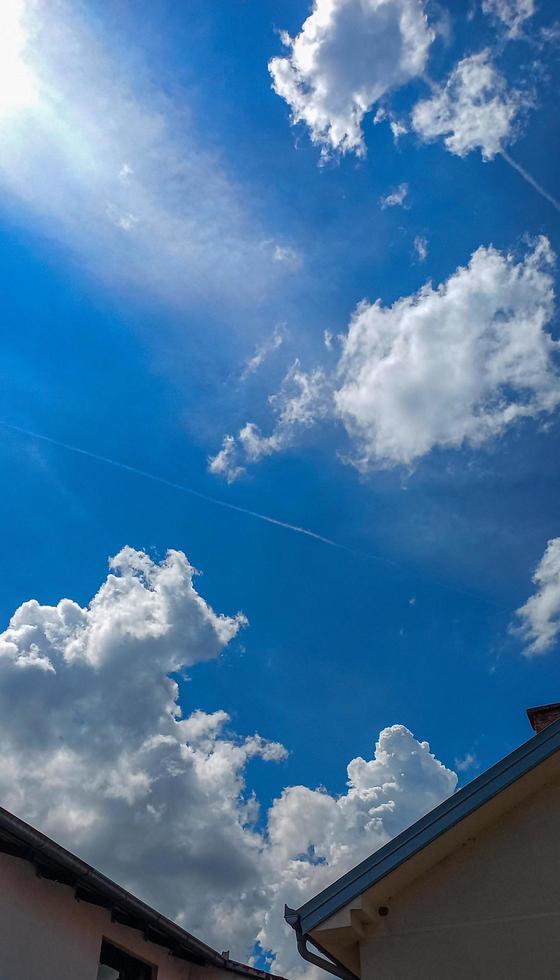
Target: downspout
pixel 331 965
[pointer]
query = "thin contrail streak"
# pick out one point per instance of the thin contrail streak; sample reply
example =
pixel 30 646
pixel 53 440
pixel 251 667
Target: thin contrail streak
pixel 530 180
pixel 107 461
pixel 180 487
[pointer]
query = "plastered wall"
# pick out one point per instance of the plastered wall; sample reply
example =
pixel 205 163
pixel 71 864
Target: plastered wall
pixel 491 909
pixel 45 934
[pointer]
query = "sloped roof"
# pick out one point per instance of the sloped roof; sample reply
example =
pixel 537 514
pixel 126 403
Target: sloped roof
pixel 448 814
pixel 56 863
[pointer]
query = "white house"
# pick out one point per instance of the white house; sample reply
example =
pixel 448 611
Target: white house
pixel 60 919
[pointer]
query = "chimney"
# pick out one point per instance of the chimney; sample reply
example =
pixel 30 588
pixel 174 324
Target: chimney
pixel 543 716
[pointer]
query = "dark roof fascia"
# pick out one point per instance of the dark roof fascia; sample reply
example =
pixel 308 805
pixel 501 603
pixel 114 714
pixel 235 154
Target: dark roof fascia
pixel 56 863
pixel 426 830
pixel 250 971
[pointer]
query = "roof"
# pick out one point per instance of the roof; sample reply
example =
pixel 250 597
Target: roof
pixel 54 862
pixel 448 814
pixel 541 716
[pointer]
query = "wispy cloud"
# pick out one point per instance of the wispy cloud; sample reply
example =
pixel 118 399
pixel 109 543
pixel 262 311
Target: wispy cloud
pixel 105 162
pixel 396 125
pixel 226 462
pixel 396 199
pixel 264 350
pixel 287 255
pixel 512 13
pixel 467 762
pixel 421 247
pixel 303 399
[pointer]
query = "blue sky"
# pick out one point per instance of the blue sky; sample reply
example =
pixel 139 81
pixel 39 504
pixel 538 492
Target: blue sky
pixel 162 221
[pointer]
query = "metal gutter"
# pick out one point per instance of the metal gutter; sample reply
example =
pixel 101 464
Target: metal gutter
pixel 249 971
pixel 426 830
pixel 56 863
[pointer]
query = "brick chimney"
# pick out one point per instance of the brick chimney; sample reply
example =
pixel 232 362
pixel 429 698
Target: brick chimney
pixel 543 716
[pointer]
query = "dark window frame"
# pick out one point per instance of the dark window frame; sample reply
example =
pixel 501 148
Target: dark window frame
pixel 120 958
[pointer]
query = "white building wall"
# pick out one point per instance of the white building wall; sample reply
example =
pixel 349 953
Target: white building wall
pixel 489 910
pixel 45 934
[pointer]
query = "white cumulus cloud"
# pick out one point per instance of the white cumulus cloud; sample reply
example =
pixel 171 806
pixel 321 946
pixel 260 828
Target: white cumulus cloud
pixel 314 837
pixel 453 365
pixel 475 109
pixel 97 753
pixel 449 366
pixel 348 54
pixel 538 621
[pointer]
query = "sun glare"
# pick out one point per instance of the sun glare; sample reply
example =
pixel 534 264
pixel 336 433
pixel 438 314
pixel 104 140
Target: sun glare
pixel 17 84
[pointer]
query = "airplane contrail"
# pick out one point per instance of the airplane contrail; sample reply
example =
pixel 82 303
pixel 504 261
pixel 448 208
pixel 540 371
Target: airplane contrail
pixel 155 478
pixel 530 180
pixel 182 488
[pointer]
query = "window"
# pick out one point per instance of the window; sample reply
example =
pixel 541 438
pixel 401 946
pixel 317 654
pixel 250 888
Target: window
pixel 115 964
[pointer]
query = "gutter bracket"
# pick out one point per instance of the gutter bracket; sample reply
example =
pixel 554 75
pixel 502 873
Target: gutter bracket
pixel 330 965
